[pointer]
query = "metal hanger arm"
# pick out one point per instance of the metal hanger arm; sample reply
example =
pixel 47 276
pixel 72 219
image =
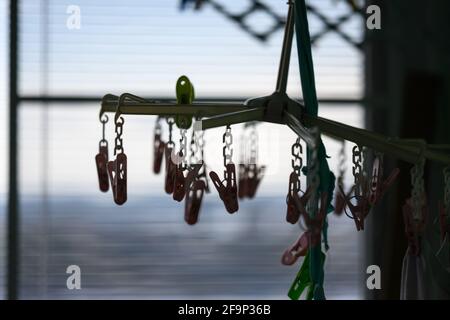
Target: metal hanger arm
pixel 254 114
pixel 405 151
pixel 299 129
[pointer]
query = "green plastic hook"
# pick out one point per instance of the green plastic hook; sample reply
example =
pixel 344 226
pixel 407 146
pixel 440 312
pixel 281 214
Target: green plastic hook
pixel 185 95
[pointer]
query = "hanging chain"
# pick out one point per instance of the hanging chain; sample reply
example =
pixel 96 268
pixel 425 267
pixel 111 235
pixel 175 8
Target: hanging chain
pixel 447 189
pixel 418 189
pixel 194 149
pixel 201 145
pixel 119 131
pixel 158 128
pixel 357 169
pixel 253 145
pixel 170 122
pixel 104 121
pixel 315 179
pixel 342 168
pixel 183 149
pixel 243 149
pixel 227 149
pixel 297 161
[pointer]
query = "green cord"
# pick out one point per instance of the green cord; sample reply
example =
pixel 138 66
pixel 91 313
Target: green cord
pixel 327 178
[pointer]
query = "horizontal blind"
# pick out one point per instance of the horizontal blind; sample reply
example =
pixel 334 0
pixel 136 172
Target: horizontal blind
pixel 144 249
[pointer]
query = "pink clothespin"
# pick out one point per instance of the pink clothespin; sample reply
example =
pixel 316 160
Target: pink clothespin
pixel 227 191
pixel 378 187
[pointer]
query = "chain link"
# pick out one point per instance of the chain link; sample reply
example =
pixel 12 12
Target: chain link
pixel 104 121
pixel 357 169
pixel 253 145
pixel 158 127
pixel 227 149
pixel 194 149
pixel 297 161
pixel 118 147
pixel 183 149
pixel 342 168
pixel 170 121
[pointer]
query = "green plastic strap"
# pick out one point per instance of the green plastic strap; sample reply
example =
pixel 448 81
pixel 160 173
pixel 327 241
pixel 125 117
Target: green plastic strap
pixel 303 281
pixel 327 178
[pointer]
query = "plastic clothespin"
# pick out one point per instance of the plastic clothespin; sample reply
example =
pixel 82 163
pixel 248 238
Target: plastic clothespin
pixel 101 160
pixel 158 152
pixel 254 175
pixel 413 226
pixel 298 249
pixel 444 221
pixel 227 192
pixel 242 182
pixel 360 210
pixel 117 170
pixel 182 183
pixel 378 187
pixel 193 202
pixel 292 214
pixel 171 168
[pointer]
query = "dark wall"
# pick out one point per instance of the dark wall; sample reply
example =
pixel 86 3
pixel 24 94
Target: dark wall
pixel 407 91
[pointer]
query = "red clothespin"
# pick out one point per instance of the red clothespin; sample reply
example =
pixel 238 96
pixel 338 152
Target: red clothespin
pixel 171 168
pixel 414 226
pixel 254 175
pixel 444 220
pixel 227 192
pixel 117 170
pixel 360 210
pixel 378 187
pixel 339 201
pixel 158 152
pixel 312 237
pixel 242 183
pixel 101 160
pixel 182 183
pixel 296 205
pixel 298 249
pixel 193 202
pixel 314 224
pixel 292 214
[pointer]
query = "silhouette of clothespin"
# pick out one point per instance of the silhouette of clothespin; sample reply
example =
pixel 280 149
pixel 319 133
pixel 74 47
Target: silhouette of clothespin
pixel 193 202
pixel 444 221
pixel 312 236
pixel 254 175
pixel 171 167
pixel 315 223
pixel 298 249
pixel 182 183
pixel 414 226
pixel 101 160
pixel 117 170
pixel 295 207
pixel 227 191
pixel 158 152
pixel 242 182
pixel 360 210
pixel 378 187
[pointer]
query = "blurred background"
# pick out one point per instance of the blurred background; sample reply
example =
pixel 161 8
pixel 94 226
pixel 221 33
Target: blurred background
pixel 144 249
